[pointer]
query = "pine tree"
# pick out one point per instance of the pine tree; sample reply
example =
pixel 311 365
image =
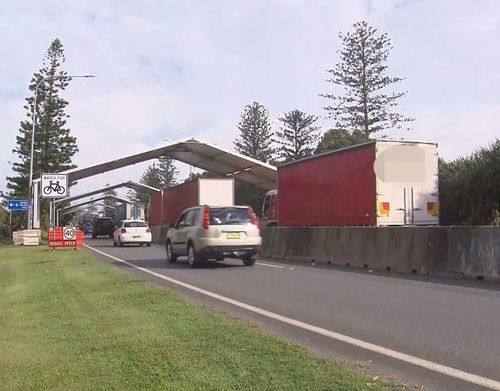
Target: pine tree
pixel 255 138
pixel 160 174
pixel 54 146
pixel 340 138
pixel 168 172
pixel 296 135
pixel 362 73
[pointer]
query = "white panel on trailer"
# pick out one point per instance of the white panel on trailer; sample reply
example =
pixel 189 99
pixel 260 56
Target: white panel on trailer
pixel 215 192
pixel 407 183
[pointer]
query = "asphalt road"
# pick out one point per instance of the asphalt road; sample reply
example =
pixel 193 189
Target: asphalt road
pixel 448 323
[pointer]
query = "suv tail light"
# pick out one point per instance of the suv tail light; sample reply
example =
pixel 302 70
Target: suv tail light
pixel 148 230
pixel 206 217
pixel 123 231
pixel 253 216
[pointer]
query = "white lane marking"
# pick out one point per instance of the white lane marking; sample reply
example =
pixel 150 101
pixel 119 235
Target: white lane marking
pixel 269 265
pixel 430 365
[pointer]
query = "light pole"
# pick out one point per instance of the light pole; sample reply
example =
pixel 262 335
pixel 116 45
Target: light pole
pixel 30 183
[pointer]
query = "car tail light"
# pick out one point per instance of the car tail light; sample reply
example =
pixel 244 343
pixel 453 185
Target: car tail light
pixel 148 230
pixel 206 217
pixel 123 231
pixel 253 216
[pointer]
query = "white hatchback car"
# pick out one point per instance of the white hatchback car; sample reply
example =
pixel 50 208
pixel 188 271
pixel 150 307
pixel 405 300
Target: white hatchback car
pixel 204 232
pixel 132 231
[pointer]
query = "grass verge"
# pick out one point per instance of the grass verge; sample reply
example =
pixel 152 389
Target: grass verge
pixel 69 322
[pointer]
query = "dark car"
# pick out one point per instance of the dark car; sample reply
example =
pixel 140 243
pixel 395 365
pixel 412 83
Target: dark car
pixel 103 226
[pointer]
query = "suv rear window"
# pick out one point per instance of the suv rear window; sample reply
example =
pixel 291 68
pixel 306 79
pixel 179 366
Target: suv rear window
pixel 104 223
pixel 134 224
pixel 224 216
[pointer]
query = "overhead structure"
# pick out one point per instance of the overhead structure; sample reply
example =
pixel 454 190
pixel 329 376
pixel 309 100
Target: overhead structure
pixel 122 200
pixel 195 153
pixel 202 155
pixel 130 184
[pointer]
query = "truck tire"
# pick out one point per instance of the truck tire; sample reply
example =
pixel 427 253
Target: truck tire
pixel 193 257
pixel 171 257
pixel 248 261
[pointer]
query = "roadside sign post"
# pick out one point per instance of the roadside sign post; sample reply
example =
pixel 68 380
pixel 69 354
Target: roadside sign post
pixel 18 205
pixel 56 186
pixel 66 237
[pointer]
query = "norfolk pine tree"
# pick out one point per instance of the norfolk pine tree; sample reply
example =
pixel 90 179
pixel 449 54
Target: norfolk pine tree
pixel 160 174
pixel 54 146
pixel 340 138
pixel 362 73
pixel 255 138
pixel 296 135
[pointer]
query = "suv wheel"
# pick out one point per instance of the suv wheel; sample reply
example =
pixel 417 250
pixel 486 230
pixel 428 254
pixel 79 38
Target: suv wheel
pixel 248 261
pixel 193 258
pixel 171 257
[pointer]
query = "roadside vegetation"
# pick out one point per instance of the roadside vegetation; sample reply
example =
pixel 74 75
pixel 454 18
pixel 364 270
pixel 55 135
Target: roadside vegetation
pixel 70 322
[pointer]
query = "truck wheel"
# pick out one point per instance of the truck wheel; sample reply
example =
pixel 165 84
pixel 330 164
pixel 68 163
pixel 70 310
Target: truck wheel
pixel 193 258
pixel 248 261
pixel 171 257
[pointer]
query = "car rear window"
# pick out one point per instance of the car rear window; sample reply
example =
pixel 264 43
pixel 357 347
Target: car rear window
pixel 104 223
pixel 228 215
pixel 134 224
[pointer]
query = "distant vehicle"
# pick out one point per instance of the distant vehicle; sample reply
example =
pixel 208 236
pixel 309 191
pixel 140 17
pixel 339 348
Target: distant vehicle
pixel 87 227
pixel 132 232
pixel 166 206
pixel 103 226
pixel 378 183
pixel 214 232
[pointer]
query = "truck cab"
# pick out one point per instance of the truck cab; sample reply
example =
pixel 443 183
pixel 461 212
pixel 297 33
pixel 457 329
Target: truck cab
pixel 269 211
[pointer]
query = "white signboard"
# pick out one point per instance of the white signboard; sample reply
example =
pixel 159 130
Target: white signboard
pixel 69 233
pixel 54 185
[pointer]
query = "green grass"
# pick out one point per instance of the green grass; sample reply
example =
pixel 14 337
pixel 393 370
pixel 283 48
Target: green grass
pixel 69 322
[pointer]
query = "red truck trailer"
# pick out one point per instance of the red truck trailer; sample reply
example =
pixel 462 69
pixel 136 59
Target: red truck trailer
pixel 375 183
pixel 165 207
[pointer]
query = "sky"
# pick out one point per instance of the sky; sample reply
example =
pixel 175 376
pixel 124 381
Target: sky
pixel 173 70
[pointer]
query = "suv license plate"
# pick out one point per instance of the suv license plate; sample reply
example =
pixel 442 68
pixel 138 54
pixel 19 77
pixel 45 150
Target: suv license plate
pixel 135 237
pixel 233 235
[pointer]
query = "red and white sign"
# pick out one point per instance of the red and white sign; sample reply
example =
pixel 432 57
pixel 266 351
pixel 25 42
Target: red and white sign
pixel 65 237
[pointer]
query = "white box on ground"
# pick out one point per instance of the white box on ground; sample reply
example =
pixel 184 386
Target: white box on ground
pixel 31 237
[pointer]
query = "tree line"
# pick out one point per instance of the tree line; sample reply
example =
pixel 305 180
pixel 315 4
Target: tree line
pixel 361 102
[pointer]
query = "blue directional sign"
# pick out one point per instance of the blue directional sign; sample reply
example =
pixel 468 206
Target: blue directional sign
pixel 18 205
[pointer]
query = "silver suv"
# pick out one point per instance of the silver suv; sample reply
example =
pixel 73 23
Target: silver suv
pixel 204 232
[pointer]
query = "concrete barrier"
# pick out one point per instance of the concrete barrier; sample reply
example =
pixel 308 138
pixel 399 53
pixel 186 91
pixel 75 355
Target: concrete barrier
pixel 27 237
pixel 470 252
